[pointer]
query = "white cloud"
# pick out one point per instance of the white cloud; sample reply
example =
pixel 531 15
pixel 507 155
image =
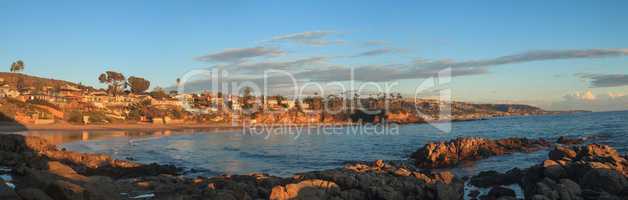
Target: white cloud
pixel 238 54
pixel 585 96
pixel 605 80
pixel 314 38
pixel 587 100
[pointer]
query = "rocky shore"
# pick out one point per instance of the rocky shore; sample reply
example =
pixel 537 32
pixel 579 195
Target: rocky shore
pixel 41 171
pixel 590 171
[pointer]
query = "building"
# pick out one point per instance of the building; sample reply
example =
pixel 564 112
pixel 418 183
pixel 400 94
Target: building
pixel 8 91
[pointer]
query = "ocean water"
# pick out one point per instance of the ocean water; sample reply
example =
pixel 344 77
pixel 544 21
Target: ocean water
pixel 285 152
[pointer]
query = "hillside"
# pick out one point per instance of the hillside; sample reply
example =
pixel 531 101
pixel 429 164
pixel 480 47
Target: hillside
pixel 13 79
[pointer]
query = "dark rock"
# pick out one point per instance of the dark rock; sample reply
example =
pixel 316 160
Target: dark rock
pixel 474 193
pixel 497 192
pixel 63 190
pixel 569 141
pixel 553 170
pixel 559 153
pixel 586 172
pixel 492 178
pixel 605 180
pixel 33 194
pixel 7 192
pixel 568 189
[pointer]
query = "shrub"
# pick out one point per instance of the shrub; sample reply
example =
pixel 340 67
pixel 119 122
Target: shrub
pixel 75 117
pixel 97 117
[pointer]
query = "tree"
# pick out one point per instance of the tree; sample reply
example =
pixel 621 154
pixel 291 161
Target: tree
pixel 19 85
pixel 158 93
pixel 115 80
pixel 138 85
pixel 17 66
pixel 247 97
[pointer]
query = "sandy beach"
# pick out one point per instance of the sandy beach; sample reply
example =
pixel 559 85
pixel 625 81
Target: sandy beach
pixel 16 127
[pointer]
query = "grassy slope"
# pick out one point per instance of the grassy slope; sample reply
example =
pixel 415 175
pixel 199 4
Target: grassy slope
pixel 37 82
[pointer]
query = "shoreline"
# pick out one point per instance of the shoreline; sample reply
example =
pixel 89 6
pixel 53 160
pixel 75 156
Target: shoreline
pixel 8 127
pixel 38 167
pixel 17 127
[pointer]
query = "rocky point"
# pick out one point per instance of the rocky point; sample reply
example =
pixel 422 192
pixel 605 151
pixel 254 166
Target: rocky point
pixel 453 152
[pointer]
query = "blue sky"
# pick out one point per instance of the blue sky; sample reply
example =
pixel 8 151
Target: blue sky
pixel 76 41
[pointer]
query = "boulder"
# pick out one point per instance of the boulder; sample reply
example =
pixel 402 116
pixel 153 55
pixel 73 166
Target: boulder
pixel 604 180
pixel 591 171
pixel 499 192
pixel 568 189
pixel 553 170
pixel 33 194
pixel 486 179
pixel 63 190
pixel 560 153
pixel 307 189
pixel 65 171
pixel 7 192
pixel 474 193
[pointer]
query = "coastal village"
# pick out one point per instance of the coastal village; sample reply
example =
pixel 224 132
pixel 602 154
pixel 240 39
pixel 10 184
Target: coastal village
pixel 33 100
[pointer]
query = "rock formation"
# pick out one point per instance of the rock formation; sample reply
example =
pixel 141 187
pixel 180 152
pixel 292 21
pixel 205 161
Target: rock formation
pixel 453 152
pixel 581 172
pixel 42 171
pixel 584 172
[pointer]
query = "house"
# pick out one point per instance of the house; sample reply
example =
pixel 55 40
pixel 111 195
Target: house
pixel 235 105
pixel 8 91
pixel 305 106
pixel 167 102
pixel 68 91
pixel 289 103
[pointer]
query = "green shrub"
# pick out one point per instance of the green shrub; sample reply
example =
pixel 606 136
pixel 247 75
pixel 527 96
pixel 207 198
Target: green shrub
pixel 97 117
pixel 75 117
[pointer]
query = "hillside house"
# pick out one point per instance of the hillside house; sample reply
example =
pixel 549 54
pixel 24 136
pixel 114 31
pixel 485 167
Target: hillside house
pixel 8 91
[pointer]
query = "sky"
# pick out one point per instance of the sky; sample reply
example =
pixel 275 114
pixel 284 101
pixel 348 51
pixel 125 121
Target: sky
pixel 558 55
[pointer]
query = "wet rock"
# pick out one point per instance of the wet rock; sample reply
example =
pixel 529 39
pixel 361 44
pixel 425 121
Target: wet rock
pixel 7 192
pixel 65 171
pixel 560 153
pixel 583 172
pixel 451 191
pixel 57 174
pixel 474 193
pixel 446 154
pixel 498 192
pixel 569 141
pixel 604 179
pixel 486 179
pixel 33 194
pixel 603 154
pixel 402 172
pixel 379 164
pixel 553 170
pixel 63 190
pixel 568 189
pixel 101 187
